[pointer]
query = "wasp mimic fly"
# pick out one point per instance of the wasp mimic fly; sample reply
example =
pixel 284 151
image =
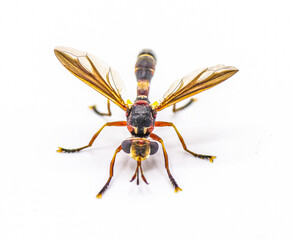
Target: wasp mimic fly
pixel 140 115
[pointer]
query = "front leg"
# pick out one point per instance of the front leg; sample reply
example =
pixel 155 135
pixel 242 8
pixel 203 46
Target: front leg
pixel 157 138
pixel 116 124
pixel 169 124
pixel 99 195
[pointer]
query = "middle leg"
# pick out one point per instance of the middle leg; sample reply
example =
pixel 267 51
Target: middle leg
pixel 117 124
pixel 169 124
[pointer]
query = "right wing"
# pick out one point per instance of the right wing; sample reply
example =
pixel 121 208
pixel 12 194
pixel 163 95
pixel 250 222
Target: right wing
pixel 93 72
pixel 194 83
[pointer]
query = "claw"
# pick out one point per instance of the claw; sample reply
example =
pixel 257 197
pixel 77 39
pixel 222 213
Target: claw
pixel 212 158
pixel 68 150
pixel 59 149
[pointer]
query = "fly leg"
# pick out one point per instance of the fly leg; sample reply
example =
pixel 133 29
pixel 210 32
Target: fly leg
pixel 116 124
pixel 169 124
pixel 94 108
pixel 175 185
pixel 99 195
pixel 186 105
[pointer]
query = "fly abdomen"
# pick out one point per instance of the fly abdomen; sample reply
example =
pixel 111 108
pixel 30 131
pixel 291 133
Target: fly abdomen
pixel 144 71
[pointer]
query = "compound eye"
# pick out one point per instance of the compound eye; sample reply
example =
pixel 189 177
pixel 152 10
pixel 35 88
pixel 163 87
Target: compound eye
pixel 154 147
pixel 126 145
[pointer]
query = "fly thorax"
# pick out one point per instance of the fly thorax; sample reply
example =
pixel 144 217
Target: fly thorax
pixel 141 120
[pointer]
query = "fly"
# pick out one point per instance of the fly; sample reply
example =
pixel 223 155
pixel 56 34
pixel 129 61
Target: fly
pixel 141 114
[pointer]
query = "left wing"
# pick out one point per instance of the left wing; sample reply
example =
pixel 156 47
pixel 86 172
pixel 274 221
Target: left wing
pixel 93 72
pixel 194 83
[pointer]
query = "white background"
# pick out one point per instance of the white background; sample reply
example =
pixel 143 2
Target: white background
pixel 246 122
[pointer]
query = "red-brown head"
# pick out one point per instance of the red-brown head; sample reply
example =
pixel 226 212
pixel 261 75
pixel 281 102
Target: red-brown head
pixel 139 148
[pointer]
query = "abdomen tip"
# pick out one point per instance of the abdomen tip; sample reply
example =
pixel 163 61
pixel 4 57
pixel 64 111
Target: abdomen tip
pixel 147 51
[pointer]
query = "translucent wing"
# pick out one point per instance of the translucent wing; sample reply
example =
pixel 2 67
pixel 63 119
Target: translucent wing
pixel 93 72
pixel 194 83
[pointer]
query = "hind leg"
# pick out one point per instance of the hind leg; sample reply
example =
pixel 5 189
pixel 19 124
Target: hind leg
pixel 94 108
pixel 185 106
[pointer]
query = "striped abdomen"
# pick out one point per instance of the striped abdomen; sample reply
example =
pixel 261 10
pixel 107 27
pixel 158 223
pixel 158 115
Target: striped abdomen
pixel 144 71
